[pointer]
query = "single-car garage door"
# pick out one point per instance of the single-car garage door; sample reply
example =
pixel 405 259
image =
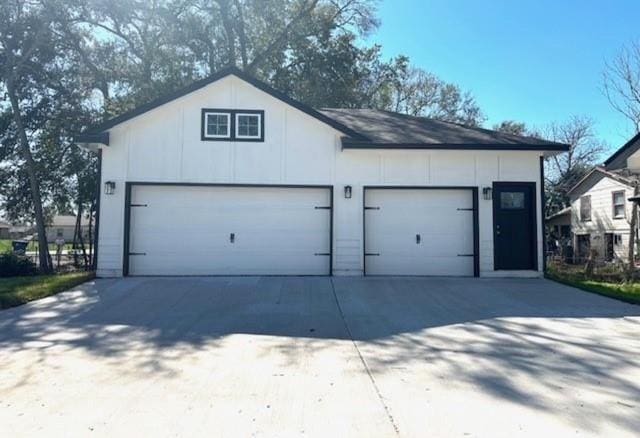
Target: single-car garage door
pixel 229 230
pixel 420 231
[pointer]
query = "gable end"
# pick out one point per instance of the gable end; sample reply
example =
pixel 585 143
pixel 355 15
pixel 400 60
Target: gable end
pixel 96 133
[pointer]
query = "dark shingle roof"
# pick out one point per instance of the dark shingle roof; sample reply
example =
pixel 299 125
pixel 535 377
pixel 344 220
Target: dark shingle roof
pixel 385 129
pixel 363 128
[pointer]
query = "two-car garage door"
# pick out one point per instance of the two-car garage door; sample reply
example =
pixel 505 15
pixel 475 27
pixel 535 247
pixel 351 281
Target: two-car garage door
pixel 229 230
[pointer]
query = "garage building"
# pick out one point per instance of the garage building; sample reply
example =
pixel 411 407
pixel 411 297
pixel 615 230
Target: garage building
pixel 231 177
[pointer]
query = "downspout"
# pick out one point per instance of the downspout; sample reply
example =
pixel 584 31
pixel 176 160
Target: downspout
pixel 544 215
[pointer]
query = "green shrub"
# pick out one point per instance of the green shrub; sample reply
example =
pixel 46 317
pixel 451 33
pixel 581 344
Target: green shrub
pixel 12 265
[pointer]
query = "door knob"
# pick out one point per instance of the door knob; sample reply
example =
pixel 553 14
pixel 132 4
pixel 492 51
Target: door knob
pixel 418 239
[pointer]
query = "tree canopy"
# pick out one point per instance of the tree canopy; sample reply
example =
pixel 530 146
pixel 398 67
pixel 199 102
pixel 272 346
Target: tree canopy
pixel 66 64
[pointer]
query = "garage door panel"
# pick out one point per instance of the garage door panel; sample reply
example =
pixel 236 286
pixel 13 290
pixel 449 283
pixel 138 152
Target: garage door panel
pixel 443 220
pixel 186 230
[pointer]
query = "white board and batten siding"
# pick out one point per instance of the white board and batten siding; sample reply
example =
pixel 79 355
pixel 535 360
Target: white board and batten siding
pixel 164 145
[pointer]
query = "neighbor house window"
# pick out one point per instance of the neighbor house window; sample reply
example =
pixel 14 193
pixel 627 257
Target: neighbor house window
pixel 248 126
pixel 585 208
pixel 618 204
pixel 216 125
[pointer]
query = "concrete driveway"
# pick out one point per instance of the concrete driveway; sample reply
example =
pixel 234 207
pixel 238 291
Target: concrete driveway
pixel 320 357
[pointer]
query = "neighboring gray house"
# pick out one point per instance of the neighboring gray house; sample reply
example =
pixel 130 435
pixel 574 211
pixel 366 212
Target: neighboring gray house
pixel 63 226
pixel 600 206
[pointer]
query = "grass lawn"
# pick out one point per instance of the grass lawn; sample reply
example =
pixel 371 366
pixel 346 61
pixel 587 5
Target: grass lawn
pixel 628 292
pixel 19 290
pixel 5 245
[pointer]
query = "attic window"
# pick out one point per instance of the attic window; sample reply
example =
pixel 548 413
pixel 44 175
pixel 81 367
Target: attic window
pixel 248 126
pixel 232 125
pixel 216 125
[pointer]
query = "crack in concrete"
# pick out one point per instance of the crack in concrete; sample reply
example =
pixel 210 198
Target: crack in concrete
pixel 364 363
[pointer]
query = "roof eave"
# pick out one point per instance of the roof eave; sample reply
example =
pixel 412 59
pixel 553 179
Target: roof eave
pixel 622 149
pixel 553 147
pixel 92 142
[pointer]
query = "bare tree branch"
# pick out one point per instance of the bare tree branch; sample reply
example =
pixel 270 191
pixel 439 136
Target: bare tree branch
pixel 621 83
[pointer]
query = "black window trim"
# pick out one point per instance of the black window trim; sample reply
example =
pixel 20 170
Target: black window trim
pixel 613 204
pixel 259 113
pixel 232 124
pixel 583 219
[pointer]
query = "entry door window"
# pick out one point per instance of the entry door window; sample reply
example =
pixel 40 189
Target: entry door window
pixel 512 200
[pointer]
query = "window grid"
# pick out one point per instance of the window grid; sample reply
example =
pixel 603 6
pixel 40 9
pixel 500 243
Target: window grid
pixel 618 204
pixel 217 125
pixel 248 125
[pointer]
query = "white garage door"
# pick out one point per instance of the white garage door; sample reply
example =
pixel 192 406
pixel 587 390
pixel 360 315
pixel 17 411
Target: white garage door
pixel 419 232
pixel 204 230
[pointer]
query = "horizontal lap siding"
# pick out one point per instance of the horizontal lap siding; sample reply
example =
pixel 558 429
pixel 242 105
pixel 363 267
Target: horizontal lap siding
pixel 602 220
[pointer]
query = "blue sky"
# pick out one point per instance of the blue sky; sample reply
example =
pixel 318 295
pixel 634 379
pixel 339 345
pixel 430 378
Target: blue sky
pixel 534 61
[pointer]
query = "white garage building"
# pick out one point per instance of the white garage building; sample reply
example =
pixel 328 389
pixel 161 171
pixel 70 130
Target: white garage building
pixel 230 177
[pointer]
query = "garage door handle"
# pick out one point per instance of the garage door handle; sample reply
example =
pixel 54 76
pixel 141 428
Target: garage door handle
pixel 417 239
pixel 372 254
pixel 232 237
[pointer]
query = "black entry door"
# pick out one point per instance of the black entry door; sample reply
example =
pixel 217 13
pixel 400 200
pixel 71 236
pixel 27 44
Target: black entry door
pixel 514 221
